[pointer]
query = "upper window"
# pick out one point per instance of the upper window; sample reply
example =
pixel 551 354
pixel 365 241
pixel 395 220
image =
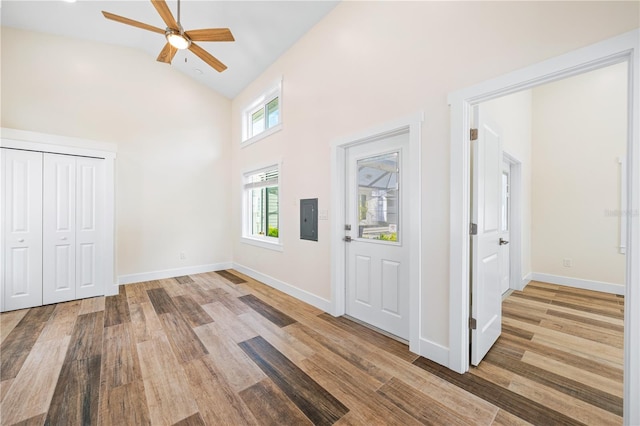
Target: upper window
pixel 263 116
pixel 261 205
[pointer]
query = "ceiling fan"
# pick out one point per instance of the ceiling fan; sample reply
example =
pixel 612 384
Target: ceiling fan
pixel 177 37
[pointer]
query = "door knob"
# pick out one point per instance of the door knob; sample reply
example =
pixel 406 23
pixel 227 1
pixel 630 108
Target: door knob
pixel 503 242
pixel 21 240
pixel 63 238
pixel 347 239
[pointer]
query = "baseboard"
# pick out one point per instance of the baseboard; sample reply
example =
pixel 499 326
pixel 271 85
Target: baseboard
pixel 526 280
pixel 170 273
pixel 286 288
pixel 579 283
pixel 434 352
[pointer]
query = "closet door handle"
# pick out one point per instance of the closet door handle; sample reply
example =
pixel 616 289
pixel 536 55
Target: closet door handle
pixel 21 240
pixel 63 238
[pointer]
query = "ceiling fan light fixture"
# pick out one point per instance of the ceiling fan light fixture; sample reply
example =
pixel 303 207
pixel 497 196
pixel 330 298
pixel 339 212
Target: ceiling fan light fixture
pixel 177 40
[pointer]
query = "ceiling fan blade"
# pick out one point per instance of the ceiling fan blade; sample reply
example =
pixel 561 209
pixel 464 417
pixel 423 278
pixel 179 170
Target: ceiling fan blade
pixel 211 34
pixel 207 57
pixel 131 22
pixel 165 13
pixel 167 53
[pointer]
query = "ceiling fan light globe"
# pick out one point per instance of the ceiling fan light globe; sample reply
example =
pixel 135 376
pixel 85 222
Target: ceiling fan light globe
pixel 177 40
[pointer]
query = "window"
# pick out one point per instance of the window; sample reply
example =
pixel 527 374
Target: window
pixel 262 205
pixel 263 116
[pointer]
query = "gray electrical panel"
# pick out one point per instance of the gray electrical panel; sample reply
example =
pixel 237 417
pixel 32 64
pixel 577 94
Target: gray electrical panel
pixel 309 219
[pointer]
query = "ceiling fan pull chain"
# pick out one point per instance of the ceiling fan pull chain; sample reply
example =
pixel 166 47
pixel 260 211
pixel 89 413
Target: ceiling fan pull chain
pixel 179 26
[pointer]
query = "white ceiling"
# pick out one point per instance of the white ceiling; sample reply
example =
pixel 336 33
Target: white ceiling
pixel 263 30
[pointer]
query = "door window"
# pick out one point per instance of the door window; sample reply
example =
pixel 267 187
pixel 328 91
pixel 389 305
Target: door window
pixel 378 197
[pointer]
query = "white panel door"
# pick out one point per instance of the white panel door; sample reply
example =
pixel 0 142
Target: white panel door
pixel 22 228
pixel 505 225
pixel 59 228
pixel 486 305
pixel 89 227
pixel 377 256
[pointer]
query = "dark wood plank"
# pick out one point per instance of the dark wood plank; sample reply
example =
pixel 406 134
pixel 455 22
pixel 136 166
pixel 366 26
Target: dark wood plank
pixel 76 397
pixel 86 339
pixel 611 313
pixel 588 394
pixel 385 343
pixel 16 347
pixel 274 315
pixel 271 406
pixel 191 311
pixel 515 331
pixel 184 279
pixel 509 401
pixel 193 420
pixel 312 399
pixel 520 315
pixel 231 277
pixel 531 297
pixel 116 309
pixel 120 358
pixel 183 340
pixel 161 301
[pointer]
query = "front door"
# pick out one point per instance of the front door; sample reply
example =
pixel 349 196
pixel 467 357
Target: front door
pixel 486 293
pixel 376 233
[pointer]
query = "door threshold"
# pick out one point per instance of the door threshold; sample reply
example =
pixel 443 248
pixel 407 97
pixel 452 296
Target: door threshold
pixel 376 329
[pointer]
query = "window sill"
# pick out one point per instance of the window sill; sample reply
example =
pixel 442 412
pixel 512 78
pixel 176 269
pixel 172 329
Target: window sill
pixel 258 242
pixel 261 136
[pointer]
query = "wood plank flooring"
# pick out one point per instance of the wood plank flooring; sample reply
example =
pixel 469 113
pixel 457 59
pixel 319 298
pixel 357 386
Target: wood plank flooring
pixel 223 349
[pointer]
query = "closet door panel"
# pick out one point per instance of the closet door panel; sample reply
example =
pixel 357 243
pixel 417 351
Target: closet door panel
pixel 59 224
pixel 89 227
pixel 22 228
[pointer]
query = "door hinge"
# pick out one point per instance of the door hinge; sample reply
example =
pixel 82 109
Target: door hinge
pixel 472 323
pixel 473 229
pixel 473 134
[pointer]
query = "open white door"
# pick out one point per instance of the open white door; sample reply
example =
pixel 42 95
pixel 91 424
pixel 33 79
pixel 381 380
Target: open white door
pixel 486 293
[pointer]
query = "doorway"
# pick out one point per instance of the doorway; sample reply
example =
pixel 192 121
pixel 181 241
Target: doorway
pixel 620 49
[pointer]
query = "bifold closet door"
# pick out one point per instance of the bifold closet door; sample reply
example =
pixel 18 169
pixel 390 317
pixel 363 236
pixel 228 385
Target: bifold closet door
pixel 22 228
pixel 59 228
pixel 90 209
pixel 73 222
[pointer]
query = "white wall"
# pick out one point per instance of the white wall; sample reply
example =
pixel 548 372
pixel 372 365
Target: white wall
pixel 172 188
pixel 513 114
pixel 579 131
pixel 370 62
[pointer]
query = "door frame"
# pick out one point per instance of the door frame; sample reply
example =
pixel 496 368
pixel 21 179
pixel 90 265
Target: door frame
pixel 339 147
pixel 623 48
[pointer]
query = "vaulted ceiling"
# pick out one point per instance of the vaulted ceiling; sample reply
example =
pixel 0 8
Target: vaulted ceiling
pixel 263 30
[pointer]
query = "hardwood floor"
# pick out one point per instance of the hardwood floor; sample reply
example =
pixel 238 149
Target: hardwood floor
pixel 223 349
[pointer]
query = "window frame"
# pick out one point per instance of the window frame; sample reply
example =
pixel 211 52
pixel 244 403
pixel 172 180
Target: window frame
pixel 264 241
pixel 272 92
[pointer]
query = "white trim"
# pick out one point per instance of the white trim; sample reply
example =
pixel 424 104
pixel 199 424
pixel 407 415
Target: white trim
pixel 262 242
pixel 291 290
pixel 618 49
pixel 622 249
pixel 23 139
pixel 579 283
pixel 338 162
pixel 434 351
pixel 261 135
pixel 526 280
pixel 171 273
